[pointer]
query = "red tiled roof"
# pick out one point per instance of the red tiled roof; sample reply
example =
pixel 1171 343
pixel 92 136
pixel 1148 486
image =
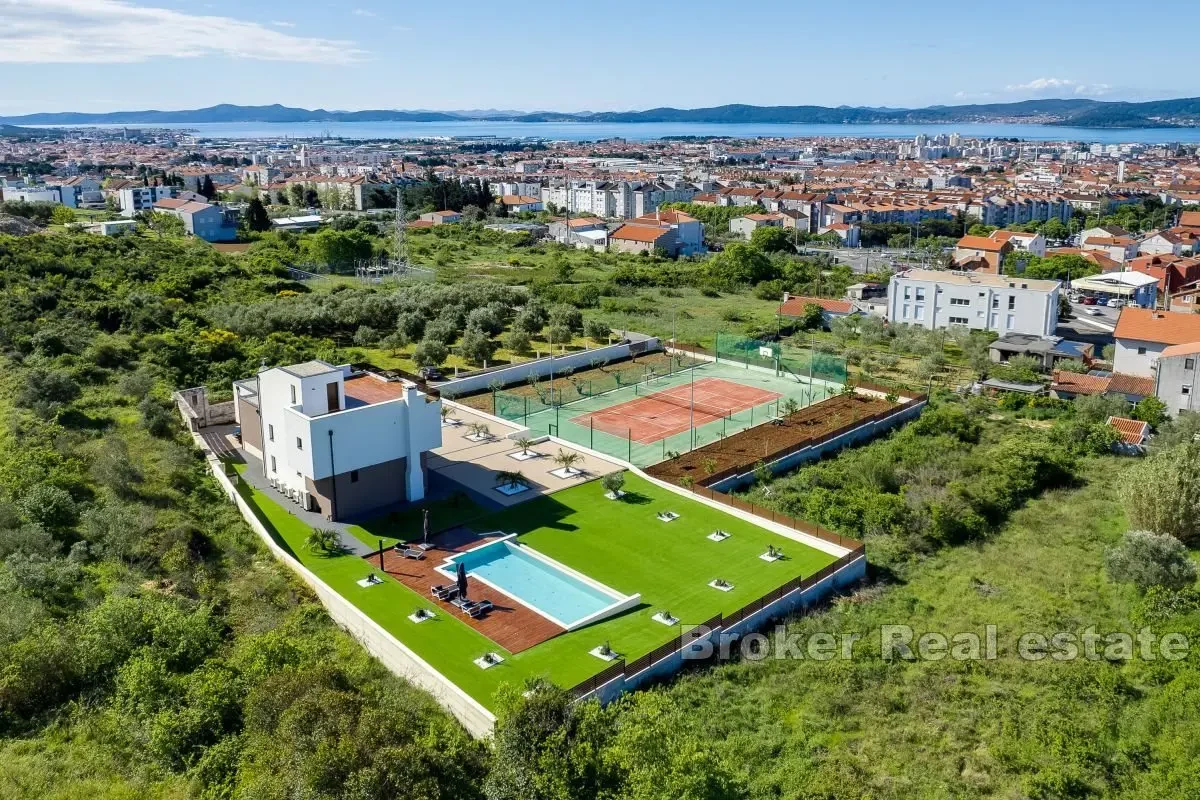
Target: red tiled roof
pixel 1132 431
pixel 1181 350
pixel 1133 385
pixel 794 307
pixel 1147 325
pixel 979 243
pixel 1189 219
pixel 639 233
pixel 1076 383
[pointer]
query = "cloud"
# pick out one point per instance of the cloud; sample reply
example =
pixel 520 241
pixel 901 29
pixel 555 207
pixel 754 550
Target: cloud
pixel 119 32
pixel 1044 86
pixel 362 12
pixel 280 24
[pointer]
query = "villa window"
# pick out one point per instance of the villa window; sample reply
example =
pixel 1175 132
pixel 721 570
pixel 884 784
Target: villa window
pixel 1141 351
pixel 273 469
pixel 960 301
pixel 1189 363
pixel 299 443
pixel 293 388
pixel 1012 302
pixel 354 476
pixel 1185 389
pixel 270 433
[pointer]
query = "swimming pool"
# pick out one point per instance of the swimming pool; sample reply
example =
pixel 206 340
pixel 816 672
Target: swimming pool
pixel 551 589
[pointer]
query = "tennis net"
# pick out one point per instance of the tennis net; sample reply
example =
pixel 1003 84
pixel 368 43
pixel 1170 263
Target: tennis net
pixel 703 408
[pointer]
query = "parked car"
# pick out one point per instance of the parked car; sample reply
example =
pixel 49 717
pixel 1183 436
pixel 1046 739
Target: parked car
pixel 1089 301
pixel 431 374
pixel 1115 302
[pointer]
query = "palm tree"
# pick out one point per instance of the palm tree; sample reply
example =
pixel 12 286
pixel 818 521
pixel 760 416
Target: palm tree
pixel 323 540
pixel 524 442
pixel 447 412
pixel 567 460
pixel 510 479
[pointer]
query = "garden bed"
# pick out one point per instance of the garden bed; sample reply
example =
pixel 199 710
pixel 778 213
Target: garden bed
pixel 741 451
pixel 482 401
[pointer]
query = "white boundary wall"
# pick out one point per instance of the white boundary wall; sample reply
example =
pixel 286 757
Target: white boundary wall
pixel 541 367
pixel 392 653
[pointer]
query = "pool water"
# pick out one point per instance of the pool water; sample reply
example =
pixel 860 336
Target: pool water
pixel 554 593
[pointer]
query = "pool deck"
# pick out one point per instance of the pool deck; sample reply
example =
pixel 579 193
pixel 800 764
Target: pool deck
pixel 510 624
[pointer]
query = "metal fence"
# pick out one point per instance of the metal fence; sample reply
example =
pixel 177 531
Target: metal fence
pixel 781 357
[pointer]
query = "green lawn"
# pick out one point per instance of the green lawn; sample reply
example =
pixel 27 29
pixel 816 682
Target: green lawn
pixel 619 543
pixel 406 525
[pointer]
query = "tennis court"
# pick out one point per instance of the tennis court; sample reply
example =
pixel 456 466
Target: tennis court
pixel 656 416
pixel 644 422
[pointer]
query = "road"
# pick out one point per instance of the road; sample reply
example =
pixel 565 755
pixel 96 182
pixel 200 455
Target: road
pixel 1084 327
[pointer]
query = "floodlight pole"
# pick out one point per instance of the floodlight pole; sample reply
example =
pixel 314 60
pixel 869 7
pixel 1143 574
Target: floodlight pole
pixel 692 408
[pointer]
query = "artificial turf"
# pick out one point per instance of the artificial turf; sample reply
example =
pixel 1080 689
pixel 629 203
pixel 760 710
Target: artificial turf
pixel 617 542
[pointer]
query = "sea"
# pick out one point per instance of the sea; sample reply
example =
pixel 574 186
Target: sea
pixel 648 131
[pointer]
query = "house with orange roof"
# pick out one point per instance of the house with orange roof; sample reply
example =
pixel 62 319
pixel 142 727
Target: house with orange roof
pixel 747 224
pixel 444 217
pixel 796 307
pixel 1172 271
pixel 1033 243
pixel 1142 334
pixel 689 231
pixel 642 238
pixel 1177 377
pixel 1133 432
pixel 517 203
pixel 1161 243
pixel 981 254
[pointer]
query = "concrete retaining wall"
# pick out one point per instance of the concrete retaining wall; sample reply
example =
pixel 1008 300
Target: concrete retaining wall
pixel 392 653
pixel 788 604
pixel 541 367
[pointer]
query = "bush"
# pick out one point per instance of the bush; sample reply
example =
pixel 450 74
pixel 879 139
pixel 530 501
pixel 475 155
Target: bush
pixel 1161 493
pixel 597 330
pixel 1148 559
pixel 49 506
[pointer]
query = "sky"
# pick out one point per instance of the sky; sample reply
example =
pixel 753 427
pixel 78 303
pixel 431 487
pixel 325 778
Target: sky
pixel 111 55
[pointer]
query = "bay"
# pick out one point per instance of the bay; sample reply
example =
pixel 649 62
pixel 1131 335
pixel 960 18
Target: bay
pixel 644 131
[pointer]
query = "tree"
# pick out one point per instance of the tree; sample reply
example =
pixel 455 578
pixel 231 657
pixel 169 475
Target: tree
pixel 1099 407
pixel 62 215
pixel 814 317
pixel 613 483
pixel 566 316
pixel 737 265
pixel 207 189
pixel 510 479
pixel 771 239
pixel 1148 559
pixel 523 442
pixel 517 341
pixel 597 330
pixel 338 249
pixel 476 346
pixel 1152 410
pixel 256 216
pixel 1161 493
pixel 296 194
pixel 559 335
pixel 430 353
pixel 567 459
pixel 323 540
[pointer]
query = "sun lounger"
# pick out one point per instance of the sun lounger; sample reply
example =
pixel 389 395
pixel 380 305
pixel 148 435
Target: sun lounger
pixel 444 591
pixel 413 553
pixel 477 610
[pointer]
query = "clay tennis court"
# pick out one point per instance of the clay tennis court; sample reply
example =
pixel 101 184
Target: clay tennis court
pixel 656 416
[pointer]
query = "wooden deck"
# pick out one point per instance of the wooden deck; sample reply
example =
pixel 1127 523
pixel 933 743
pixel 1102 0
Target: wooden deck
pixel 510 624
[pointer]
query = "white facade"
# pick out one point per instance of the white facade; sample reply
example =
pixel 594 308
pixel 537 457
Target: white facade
pixel 1177 379
pixel 309 434
pixel 142 198
pixel 1136 356
pixel 935 299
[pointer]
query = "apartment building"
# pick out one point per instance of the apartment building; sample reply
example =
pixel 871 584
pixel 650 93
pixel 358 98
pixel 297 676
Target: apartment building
pixel 936 299
pixel 135 199
pixel 342 443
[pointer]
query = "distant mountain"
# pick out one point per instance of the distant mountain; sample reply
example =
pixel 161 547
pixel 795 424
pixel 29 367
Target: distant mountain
pixel 1073 112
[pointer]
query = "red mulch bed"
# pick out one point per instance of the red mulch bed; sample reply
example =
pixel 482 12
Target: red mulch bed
pixel 746 448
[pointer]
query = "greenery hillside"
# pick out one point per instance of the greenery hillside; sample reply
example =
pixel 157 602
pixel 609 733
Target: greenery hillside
pixel 151 648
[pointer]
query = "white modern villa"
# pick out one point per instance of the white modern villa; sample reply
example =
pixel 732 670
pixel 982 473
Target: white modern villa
pixel 338 442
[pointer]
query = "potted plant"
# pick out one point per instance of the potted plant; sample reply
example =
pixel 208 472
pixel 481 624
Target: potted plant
pixel 567 460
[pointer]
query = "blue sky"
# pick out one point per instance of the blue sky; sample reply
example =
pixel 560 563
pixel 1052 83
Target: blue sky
pixel 106 55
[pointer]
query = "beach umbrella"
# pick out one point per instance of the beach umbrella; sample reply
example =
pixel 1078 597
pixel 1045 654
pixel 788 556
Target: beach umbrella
pixel 426 526
pixel 462 579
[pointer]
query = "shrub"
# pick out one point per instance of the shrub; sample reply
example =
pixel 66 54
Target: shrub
pixel 517 341
pixel 430 353
pixel 1148 559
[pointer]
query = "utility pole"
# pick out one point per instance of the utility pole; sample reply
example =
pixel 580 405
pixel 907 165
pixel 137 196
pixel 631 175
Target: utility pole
pixel 400 264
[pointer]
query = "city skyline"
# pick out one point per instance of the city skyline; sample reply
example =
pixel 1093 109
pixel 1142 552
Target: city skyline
pixel 93 55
